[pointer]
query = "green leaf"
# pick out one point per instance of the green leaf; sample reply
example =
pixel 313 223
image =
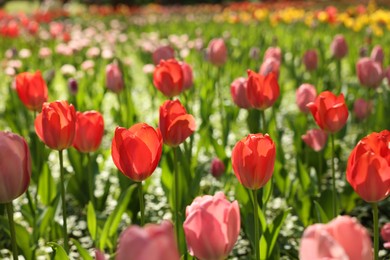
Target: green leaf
pixel 321 215
pixel 91 221
pixel 274 230
pixel 60 252
pixel 83 252
pixel 47 187
pixel 23 240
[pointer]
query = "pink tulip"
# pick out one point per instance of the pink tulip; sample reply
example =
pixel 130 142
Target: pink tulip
pixel 212 226
pixel 153 242
pixel 369 72
pixel 238 92
pixel 316 139
pixel 385 234
pixel 339 47
pixel 163 53
pixel 15 165
pixel 362 108
pixel 310 60
pixel 305 94
pixel 217 52
pixel 270 65
pixel 217 167
pixel 342 238
pixel 99 255
pixel 188 80
pixel 377 54
pixel 274 52
pixel 114 79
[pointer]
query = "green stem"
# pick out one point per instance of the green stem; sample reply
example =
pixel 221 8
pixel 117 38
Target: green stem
pixel 141 203
pixel 319 175
pixel 30 204
pixel 119 109
pixel 334 200
pixel 64 226
pixel 176 194
pixel 91 181
pixel 221 107
pixel 256 224
pixel 263 123
pixel 338 63
pixel 376 230
pixel 10 212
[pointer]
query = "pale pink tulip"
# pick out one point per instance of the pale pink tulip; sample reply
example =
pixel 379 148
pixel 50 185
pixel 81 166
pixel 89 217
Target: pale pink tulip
pixel 315 139
pixel 163 53
pixel 385 234
pixel 369 72
pixel 339 47
pixel 188 79
pixel 362 108
pixel 114 79
pixel 238 92
pixel 217 52
pixel 305 94
pixel 274 52
pixel 269 65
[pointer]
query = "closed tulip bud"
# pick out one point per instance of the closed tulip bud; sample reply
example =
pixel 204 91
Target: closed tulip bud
pixel 15 165
pixel 163 53
pixel 99 255
pixel 89 131
pixel 212 226
pixel 217 52
pixel 168 77
pixel 56 125
pixel 73 86
pixel 152 242
pixel 175 124
pixel 217 167
pixel 238 90
pixel 315 139
pixel 339 47
pixel 377 54
pixel 114 79
pixel 31 89
pixel 369 72
pixel 274 52
pixel 188 80
pixel 362 108
pixel 270 65
pixel 305 94
pixel 329 111
pixel 342 238
pixel 368 169
pixel 385 234
pixel 310 60
pixel 136 151
pixel 253 160
pixel 262 91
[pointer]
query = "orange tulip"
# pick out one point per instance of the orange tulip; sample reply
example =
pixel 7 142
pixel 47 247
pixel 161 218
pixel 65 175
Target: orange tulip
pixel 89 131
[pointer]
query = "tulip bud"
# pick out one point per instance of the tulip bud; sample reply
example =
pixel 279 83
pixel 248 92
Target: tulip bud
pixel 316 139
pixel 377 54
pixel 31 89
pixel 369 72
pixel 310 60
pixel 217 52
pixel 73 86
pixel 274 52
pixel 188 80
pixel 163 53
pixel 339 47
pixel 238 91
pixel 385 234
pixel 217 167
pixel 305 94
pixel 362 108
pixel 270 65
pixel 114 79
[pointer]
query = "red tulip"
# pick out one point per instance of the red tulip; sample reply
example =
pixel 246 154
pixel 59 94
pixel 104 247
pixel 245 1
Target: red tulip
pixel 168 77
pixel 175 124
pixel 310 60
pixel 369 72
pixel 153 242
pixel 385 234
pixel 305 94
pixel 329 111
pixel 217 167
pixel 136 151
pixel 31 89
pixel 262 91
pixel 238 90
pixel 188 80
pixel 362 108
pixel 212 226
pixel 217 52
pixel 342 238
pixel 368 169
pixel 253 160
pixel 316 139
pixel 15 165
pixel 114 79
pixel 56 125
pixel 339 47
pixel 163 53
pixel 89 131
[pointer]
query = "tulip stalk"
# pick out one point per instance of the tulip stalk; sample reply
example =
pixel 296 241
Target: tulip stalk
pixel 10 212
pixel 263 123
pixel 141 203
pixel 64 226
pixel 334 200
pixel 376 229
pixel 91 180
pixel 256 224
pixel 176 194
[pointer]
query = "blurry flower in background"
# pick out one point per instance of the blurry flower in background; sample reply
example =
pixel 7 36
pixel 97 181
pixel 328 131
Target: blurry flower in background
pixel 369 72
pixel 339 47
pixel 362 108
pixel 305 94
pixel 315 139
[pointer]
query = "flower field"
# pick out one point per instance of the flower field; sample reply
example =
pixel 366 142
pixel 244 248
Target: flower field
pixel 235 131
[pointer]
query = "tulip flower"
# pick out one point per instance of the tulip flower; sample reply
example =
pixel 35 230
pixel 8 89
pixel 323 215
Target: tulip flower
pixel 274 52
pixel 262 91
pixel 238 90
pixel 15 165
pixel 212 226
pixel 385 234
pixel 153 242
pixel 188 80
pixel 217 52
pixel 369 72
pixel 163 53
pixel 339 47
pixel 175 124
pixel 316 139
pixel 136 151
pixel 56 125
pixel 31 89
pixel 377 54
pixel 217 167
pixel 270 65
pixel 342 238
pixel 305 94
pixel 168 78
pixel 329 111
pixel 89 131
pixel 310 60
pixel 73 86
pixel 362 108
pixel 114 78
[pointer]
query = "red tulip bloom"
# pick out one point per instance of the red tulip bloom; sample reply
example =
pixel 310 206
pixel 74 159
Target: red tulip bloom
pixel 175 124
pixel 136 151
pixel 329 111
pixel 89 131
pixel 368 170
pixel 168 77
pixel 262 91
pixel 31 89
pixel 253 160
pixel 56 125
